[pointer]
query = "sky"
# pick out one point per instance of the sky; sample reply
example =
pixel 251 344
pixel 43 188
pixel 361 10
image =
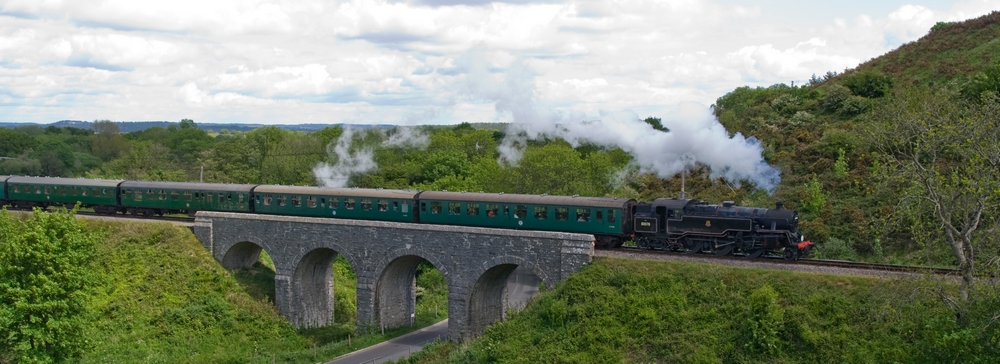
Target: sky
pixel 427 61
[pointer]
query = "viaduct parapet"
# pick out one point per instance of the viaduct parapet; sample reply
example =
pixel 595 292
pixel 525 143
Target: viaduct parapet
pixel 487 270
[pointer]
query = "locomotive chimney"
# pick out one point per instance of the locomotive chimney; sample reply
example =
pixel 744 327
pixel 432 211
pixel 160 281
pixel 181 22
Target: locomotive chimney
pixel 779 205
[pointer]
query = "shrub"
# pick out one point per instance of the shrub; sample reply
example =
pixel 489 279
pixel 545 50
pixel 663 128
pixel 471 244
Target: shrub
pixel 854 105
pixel 765 321
pixel 835 97
pixel 870 84
pixel 836 249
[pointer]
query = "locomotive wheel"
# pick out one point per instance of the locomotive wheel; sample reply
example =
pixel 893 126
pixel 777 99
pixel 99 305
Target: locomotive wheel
pixel 697 248
pixel 725 250
pixel 755 253
pixel 791 254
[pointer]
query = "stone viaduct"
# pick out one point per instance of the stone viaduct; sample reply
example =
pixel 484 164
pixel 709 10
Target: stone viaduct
pixel 487 270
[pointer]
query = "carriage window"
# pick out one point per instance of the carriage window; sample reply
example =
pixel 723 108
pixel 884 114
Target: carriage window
pixel 473 209
pixel 349 204
pixel 383 205
pixel 296 201
pixel 138 195
pixel 454 208
pixel 311 202
pixel 84 193
pixel 562 213
pixel 187 195
pixel 267 200
pixel 38 190
pixel 229 197
pixel 48 190
pixel 174 195
pixel 583 215
pixel 17 188
pixel 366 204
pixel 281 200
pixel 611 216
pixel 541 212
pixel 241 198
pixel 221 198
pixel 150 194
pixel 334 202
pixel 75 192
pixel 163 195
pixel 406 207
pixel 103 192
pixel 599 218
pixel 435 207
pixel 520 211
pixel 395 205
pixel 492 209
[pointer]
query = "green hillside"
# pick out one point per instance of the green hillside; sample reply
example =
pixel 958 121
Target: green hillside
pixel 629 311
pixel 835 169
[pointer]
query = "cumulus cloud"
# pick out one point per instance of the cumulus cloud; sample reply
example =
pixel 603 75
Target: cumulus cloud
pixel 358 61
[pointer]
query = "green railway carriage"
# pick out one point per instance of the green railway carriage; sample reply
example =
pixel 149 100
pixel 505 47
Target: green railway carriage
pixel 158 198
pixel 3 190
pixel 346 203
pixel 606 218
pixel 27 192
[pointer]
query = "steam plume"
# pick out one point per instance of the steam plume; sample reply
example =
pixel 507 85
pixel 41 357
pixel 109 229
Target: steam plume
pixel 361 160
pixel 695 135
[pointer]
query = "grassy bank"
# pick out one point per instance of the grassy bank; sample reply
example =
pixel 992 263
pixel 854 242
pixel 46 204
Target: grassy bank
pixel 162 298
pixel 660 312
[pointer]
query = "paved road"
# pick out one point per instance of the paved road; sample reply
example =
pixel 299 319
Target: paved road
pixel 397 348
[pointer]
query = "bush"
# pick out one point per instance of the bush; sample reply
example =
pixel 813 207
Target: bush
pixel 854 105
pixel 46 271
pixel 870 84
pixel 835 97
pixel 836 249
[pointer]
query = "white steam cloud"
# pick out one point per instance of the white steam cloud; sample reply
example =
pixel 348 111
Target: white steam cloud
pixel 361 160
pixel 695 135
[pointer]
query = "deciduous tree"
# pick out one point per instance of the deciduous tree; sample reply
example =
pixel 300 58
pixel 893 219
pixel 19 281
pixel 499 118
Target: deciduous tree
pixel 45 270
pixel 942 157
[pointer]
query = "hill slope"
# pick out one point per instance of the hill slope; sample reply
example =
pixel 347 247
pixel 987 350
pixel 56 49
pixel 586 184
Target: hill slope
pixel 817 134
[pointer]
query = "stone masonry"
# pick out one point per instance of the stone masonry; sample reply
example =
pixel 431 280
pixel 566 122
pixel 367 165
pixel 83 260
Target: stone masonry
pixel 477 264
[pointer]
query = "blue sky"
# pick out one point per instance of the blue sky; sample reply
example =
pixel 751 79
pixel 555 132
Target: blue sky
pixel 427 61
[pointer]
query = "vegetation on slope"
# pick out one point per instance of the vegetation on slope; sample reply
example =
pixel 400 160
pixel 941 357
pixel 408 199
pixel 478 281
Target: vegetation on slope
pixel 112 292
pixel 616 311
pixel 825 138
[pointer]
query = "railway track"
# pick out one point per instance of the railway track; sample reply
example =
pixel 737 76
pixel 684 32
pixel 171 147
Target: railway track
pixel 803 262
pixel 874 267
pixel 184 219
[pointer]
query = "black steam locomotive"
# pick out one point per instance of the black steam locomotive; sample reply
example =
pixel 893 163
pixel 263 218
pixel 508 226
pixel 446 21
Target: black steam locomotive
pixel 698 227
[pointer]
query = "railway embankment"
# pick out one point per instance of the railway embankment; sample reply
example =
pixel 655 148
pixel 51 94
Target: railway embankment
pixel 649 311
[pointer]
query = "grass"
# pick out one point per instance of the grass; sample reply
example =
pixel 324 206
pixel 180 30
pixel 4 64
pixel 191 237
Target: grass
pixel 164 299
pixel 616 311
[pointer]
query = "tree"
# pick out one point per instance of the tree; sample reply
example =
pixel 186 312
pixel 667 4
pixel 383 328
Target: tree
pixel 870 84
pixel 656 123
pixel 108 143
pixel 942 156
pixel 985 83
pixel 46 266
pixel 13 142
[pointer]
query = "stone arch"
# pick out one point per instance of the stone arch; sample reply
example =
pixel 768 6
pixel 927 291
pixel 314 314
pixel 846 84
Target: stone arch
pixel 489 297
pixel 241 255
pixel 312 289
pixel 394 301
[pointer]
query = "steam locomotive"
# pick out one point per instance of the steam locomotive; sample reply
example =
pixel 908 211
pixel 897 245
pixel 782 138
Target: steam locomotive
pixel 680 225
pixel 698 227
